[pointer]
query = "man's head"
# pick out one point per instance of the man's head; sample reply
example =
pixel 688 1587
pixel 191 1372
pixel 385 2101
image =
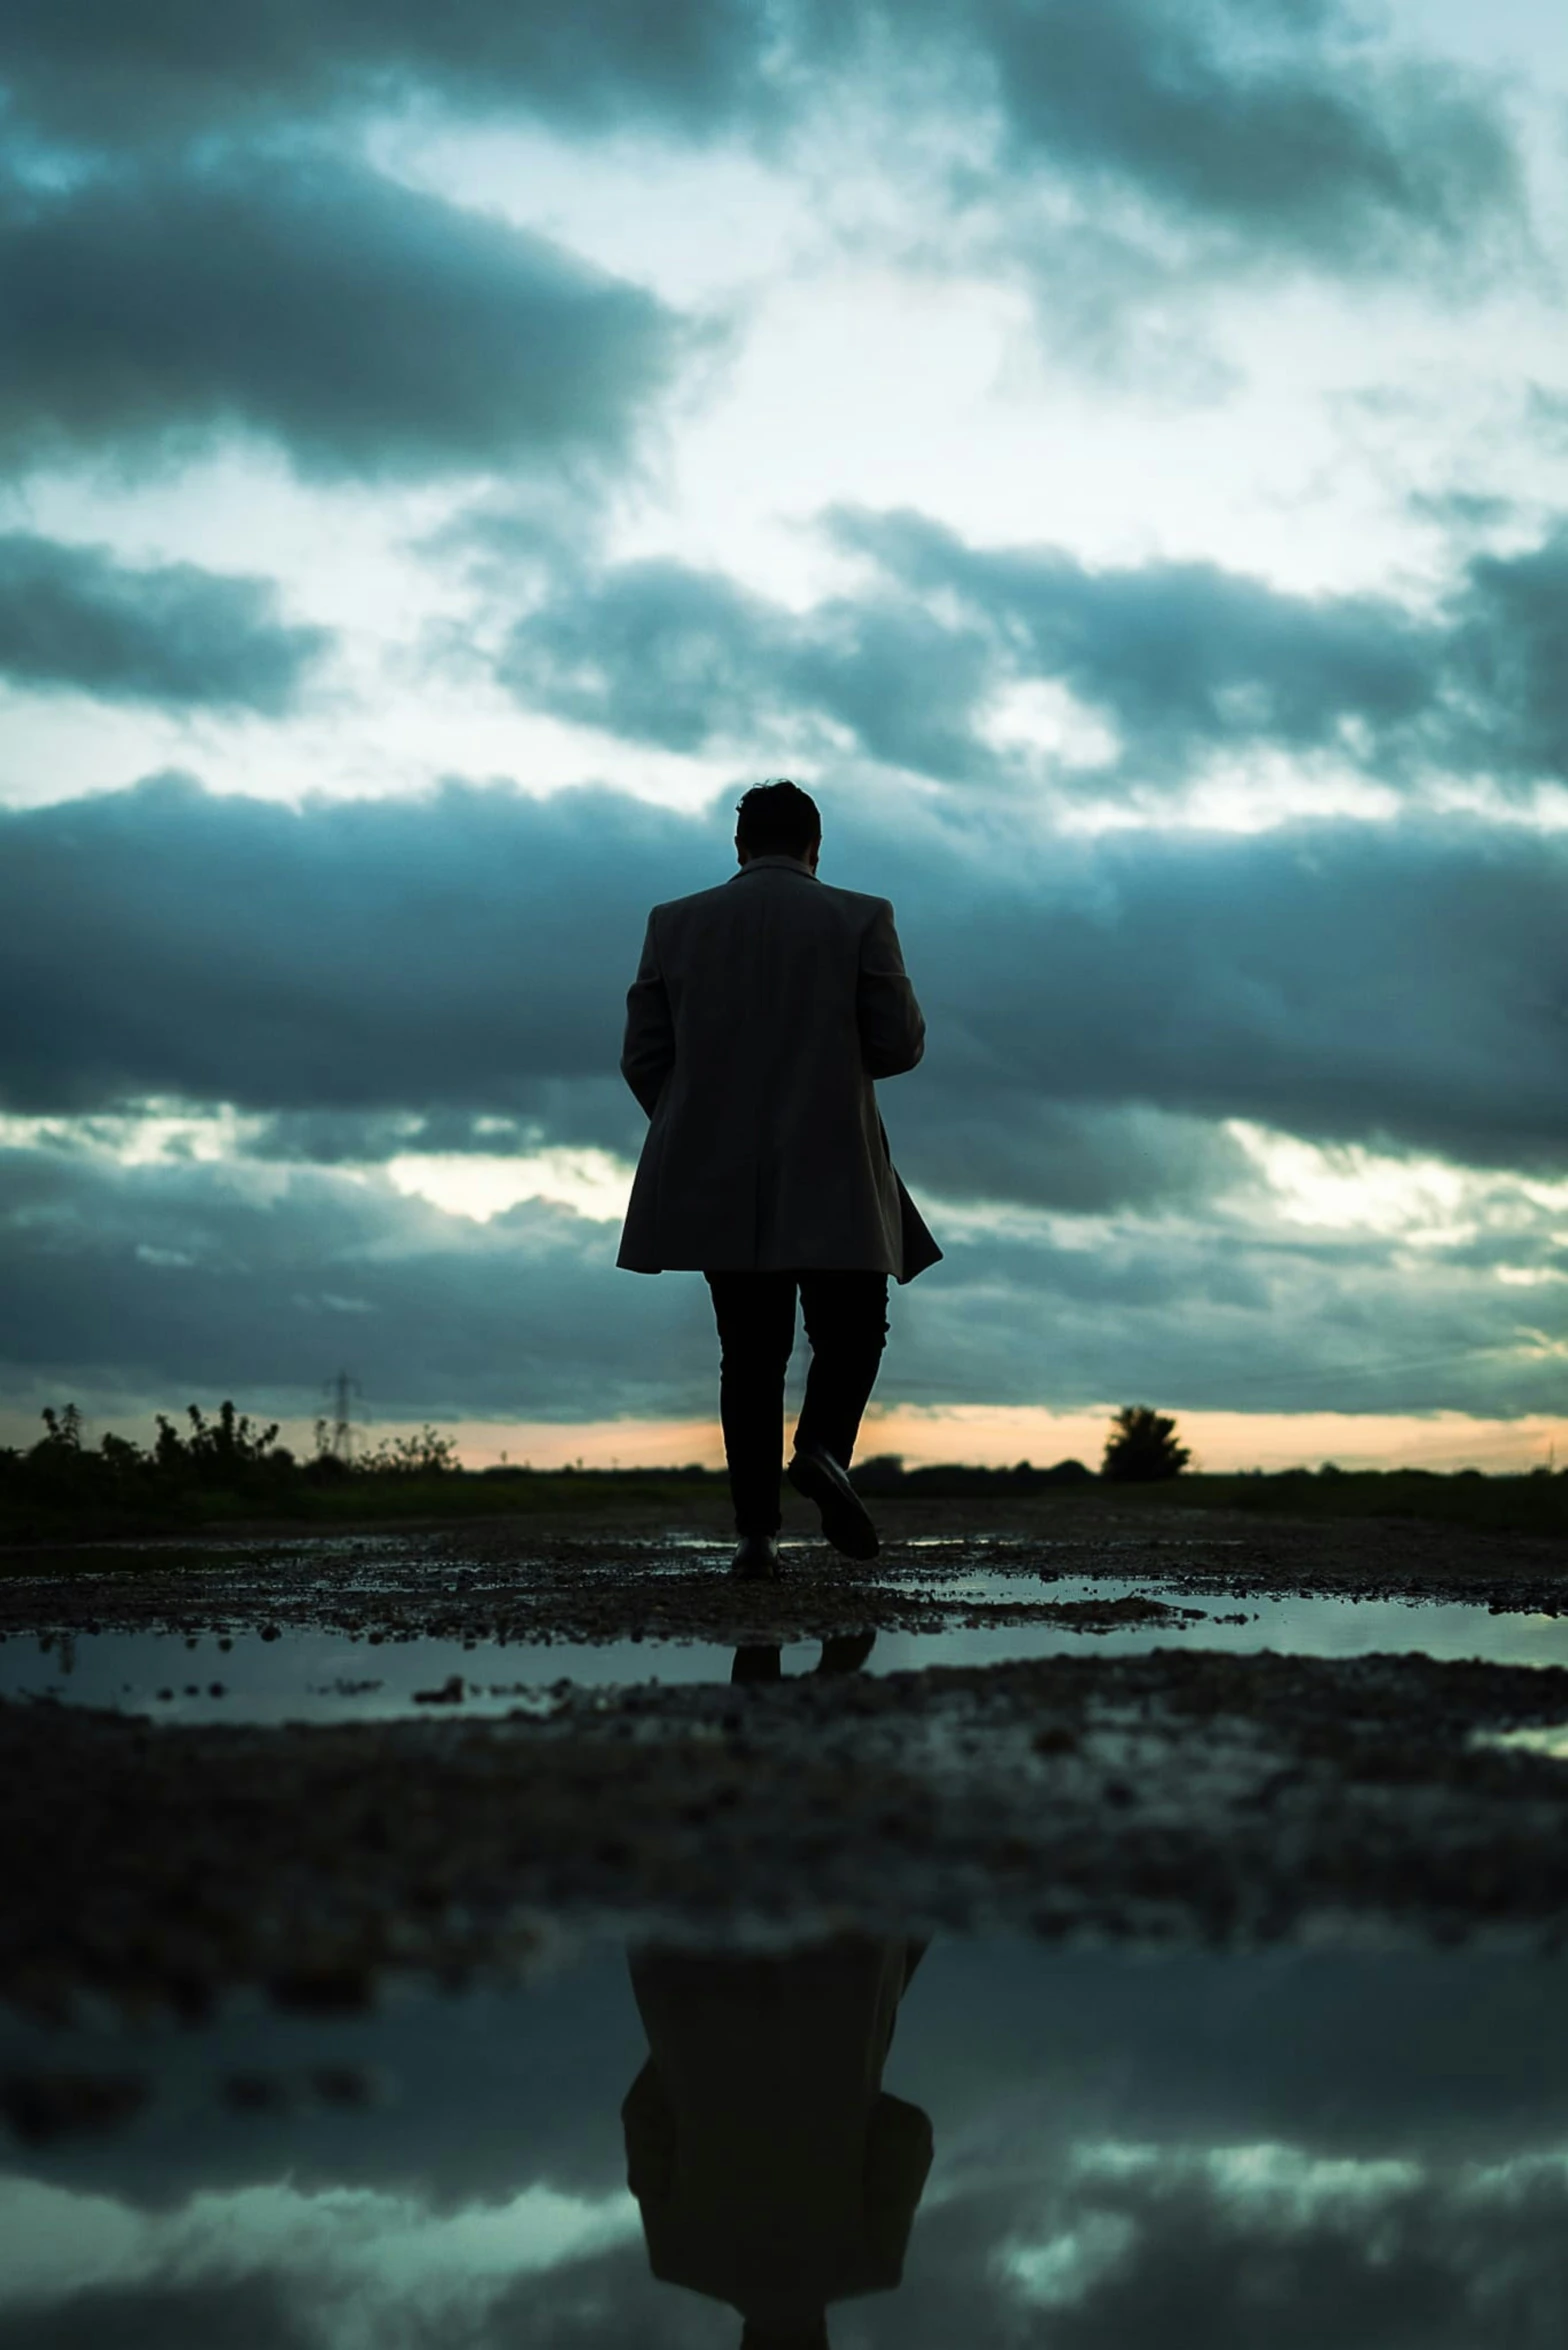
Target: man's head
pixel 778 819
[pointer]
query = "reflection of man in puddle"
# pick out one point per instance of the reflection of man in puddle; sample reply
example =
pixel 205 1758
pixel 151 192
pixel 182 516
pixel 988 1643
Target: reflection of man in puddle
pixel 772 2169
pixel 842 1652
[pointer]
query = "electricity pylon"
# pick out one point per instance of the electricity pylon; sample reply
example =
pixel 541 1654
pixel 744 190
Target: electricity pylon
pixel 340 1393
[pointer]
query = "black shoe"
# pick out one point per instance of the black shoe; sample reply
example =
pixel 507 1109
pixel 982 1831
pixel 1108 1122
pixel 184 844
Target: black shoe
pixel 756 1559
pixel 815 1473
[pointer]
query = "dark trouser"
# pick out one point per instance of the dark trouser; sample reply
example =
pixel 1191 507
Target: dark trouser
pixel 846 1322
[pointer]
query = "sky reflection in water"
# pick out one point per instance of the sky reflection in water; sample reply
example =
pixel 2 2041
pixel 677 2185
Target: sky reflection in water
pixel 1358 2149
pixel 313 1675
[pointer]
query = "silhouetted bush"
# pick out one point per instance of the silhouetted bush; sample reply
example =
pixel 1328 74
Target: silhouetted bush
pixel 227 1451
pixel 427 1454
pixel 885 1477
pixel 229 1470
pixel 327 1468
pixel 63 1474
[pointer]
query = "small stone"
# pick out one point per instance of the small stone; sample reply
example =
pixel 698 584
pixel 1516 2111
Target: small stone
pixel 449 1693
pixel 1055 1740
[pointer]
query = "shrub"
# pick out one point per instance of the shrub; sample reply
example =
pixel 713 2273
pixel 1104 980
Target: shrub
pixel 426 1454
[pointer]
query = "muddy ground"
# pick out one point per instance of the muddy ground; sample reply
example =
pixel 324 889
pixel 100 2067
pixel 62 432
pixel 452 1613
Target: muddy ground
pixel 599 1579
pixel 1183 1794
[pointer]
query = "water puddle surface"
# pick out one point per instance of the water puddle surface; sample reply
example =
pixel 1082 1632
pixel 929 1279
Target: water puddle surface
pixel 318 1676
pixel 289 1674
pixel 1550 1739
pixel 872 2143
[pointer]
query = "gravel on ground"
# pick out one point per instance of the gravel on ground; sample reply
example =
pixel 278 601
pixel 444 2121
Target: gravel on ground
pixel 1232 1799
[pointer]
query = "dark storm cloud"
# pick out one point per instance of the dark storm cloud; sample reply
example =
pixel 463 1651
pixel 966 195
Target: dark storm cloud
pixel 1181 657
pixel 135 1287
pixel 102 72
pixel 1510 657
pixel 1261 118
pixel 659 652
pixel 1183 661
pixel 1226 1318
pixel 1270 123
pixel 595 1112
pixel 469 951
pixel 155 1281
pixel 1015 1144
pixel 370 955
pixel 72 617
pixel 367 329
pixel 1007 1146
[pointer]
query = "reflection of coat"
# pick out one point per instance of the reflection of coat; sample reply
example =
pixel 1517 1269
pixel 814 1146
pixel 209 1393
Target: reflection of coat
pixel 772 2170
pixel 761 1013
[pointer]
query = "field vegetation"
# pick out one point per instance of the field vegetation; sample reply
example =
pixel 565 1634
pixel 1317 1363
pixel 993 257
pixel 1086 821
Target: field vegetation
pixel 230 1472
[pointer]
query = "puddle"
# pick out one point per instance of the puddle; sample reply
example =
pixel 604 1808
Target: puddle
pixel 323 1676
pixel 300 1676
pixel 1078 2149
pixel 1292 1625
pixel 1550 1740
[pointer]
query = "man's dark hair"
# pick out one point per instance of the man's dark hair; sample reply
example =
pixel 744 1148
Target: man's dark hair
pixel 777 819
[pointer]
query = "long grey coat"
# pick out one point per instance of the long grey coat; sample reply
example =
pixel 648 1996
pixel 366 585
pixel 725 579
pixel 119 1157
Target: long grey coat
pixel 761 1013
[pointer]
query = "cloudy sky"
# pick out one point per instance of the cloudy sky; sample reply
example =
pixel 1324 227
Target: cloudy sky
pixel 1117 457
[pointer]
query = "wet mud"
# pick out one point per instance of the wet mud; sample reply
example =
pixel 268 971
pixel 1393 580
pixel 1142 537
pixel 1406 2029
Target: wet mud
pixel 1182 1795
pixel 522 1581
pixel 1167 1796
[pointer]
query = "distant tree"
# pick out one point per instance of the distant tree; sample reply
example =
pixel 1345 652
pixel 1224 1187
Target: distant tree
pixel 63 1466
pixel 1142 1447
pixel 65 1428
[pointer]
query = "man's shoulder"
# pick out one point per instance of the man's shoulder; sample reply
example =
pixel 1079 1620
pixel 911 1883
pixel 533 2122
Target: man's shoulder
pixel 816 896
pixel 676 909
pixel 858 904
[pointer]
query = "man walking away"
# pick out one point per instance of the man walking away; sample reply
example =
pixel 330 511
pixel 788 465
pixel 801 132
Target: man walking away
pixel 761 1014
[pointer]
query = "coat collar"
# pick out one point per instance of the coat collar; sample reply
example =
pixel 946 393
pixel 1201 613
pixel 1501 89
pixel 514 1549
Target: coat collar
pixel 767 864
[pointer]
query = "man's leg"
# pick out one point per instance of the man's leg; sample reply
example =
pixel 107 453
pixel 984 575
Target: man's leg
pixel 846 1322
pixel 755 1313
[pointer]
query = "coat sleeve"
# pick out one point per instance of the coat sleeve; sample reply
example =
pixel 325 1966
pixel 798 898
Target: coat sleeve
pixel 649 2126
pixel 892 1032
pixel 898 2160
pixel 648 1055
